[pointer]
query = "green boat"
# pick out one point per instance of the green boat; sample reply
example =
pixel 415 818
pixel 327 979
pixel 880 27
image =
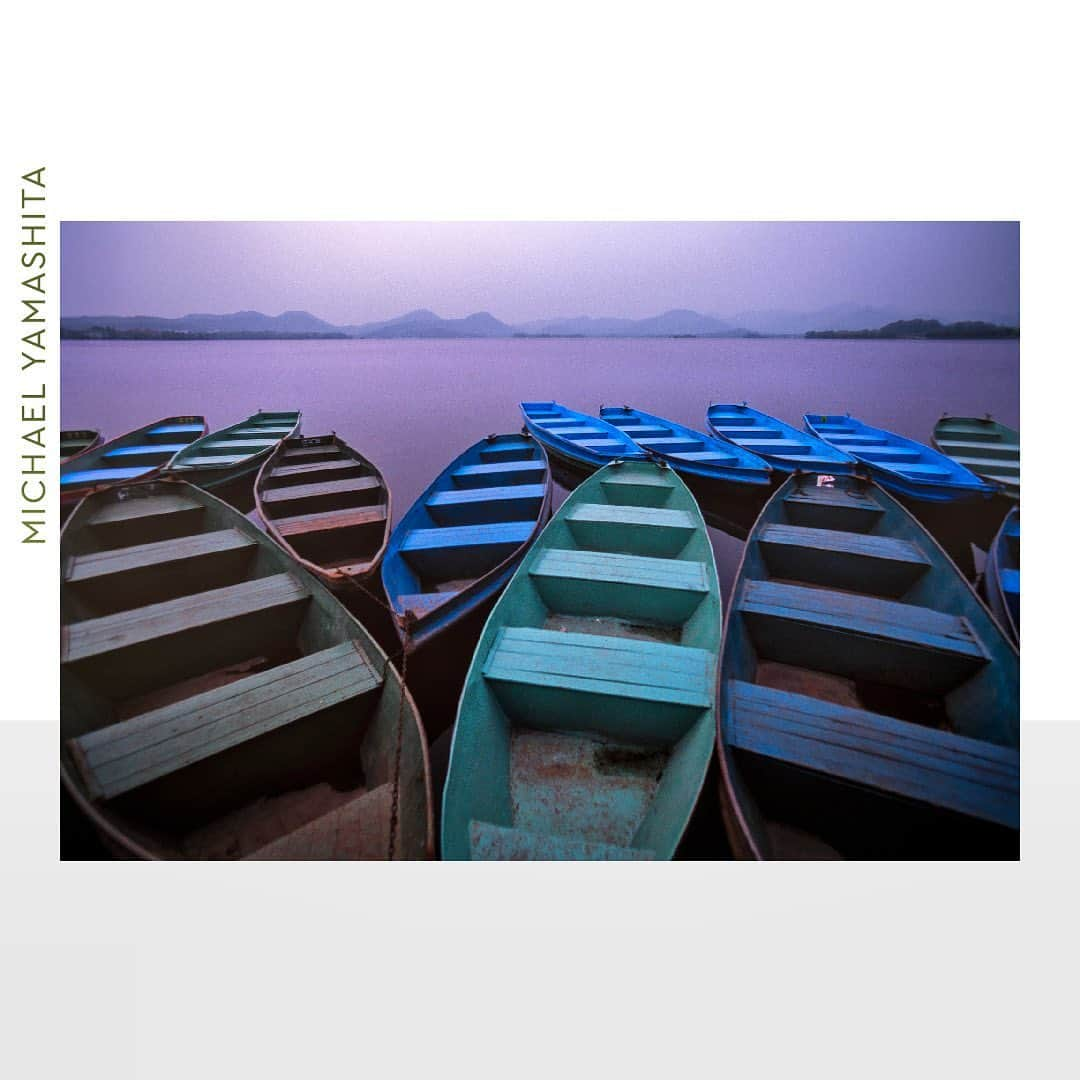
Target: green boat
pixel 217 702
pixel 586 724
pixel 989 449
pixel 869 704
pixel 235 452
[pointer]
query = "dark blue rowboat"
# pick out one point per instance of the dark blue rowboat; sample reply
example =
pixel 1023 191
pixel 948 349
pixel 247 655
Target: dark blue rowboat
pixel 1001 582
pixel 693 455
pixel 578 440
pixel 899 465
pixel 784 447
pixel 461 541
pixel 138 455
pixel 869 703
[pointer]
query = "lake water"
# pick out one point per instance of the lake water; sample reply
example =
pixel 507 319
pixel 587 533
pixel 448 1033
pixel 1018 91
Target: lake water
pixel 412 406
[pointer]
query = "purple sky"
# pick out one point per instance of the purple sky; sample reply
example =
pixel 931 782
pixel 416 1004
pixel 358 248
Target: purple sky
pixel 355 272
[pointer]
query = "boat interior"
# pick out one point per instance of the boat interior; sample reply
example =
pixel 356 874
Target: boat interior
pixel 869 702
pixel 886 450
pixel 327 503
pixel 135 454
pixel 75 441
pixel 987 448
pixel 578 430
pixel 232 446
pixel 683 445
pixel 216 702
pixel 587 721
pixel 473 518
pixel 778 442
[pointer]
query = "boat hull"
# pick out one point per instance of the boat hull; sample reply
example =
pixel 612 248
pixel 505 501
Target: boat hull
pixel 218 702
pixel 576 439
pixel 141 454
pixel 988 448
pixel 1001 581
pixel 329 507
pixel 585 727
pixel 868 703
pixel 785 448
pixel 458 545
pixel 899 465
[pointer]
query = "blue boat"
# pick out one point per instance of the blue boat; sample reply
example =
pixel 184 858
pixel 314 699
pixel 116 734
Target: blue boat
pixel 1001 581
pixel 785 448
pixel 869 703
pixel 692 454
pixel 899 465
pixel 139 455
pixel 578 440
pixel 461 541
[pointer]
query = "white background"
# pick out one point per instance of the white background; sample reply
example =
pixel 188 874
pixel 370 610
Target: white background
pixel 561 111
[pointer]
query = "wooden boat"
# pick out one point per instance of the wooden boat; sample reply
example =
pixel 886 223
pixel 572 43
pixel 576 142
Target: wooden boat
pixel 327 506
pixel 235 452
pixel 74 442
pixel 899 465
pixel 460 542
pixel 140 454
pixel 785 448
pixel 869 704
pixel 586 725
pixel 217 701
pixel 1001 581
pixel 989 449
pixel 583 442
pixel 694 456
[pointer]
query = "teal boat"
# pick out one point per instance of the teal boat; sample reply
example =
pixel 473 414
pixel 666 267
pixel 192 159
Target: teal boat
pixel 1001 581
pixel 585 727
pixel 989 449
pixel 235 452
pixel 138 455
pixel 869 703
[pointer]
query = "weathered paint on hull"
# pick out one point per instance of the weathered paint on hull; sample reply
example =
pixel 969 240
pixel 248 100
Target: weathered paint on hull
pixel 585 727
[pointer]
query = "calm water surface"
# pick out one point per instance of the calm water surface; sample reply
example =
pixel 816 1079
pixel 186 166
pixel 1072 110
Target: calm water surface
pixel 412 406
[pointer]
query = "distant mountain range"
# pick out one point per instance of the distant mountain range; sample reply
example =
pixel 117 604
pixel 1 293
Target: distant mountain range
pixel 426 324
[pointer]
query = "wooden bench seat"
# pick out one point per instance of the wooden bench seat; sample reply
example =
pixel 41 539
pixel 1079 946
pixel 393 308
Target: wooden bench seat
pixel 946 770
pixel 461 551
pixel 827 507
pixel 145 450
pixel 634 587
pixel 637 689
pixel 639 530
pixel 477 506
pixel 130 652
pixel 307 524
pixel 146 518
pixel 102 476
pixel 163 556
pixel 500 473
pixel 883 565
pixel 300 474
pixel 134 752
pixel 324 490
pixel 488 841
pixel 861 636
